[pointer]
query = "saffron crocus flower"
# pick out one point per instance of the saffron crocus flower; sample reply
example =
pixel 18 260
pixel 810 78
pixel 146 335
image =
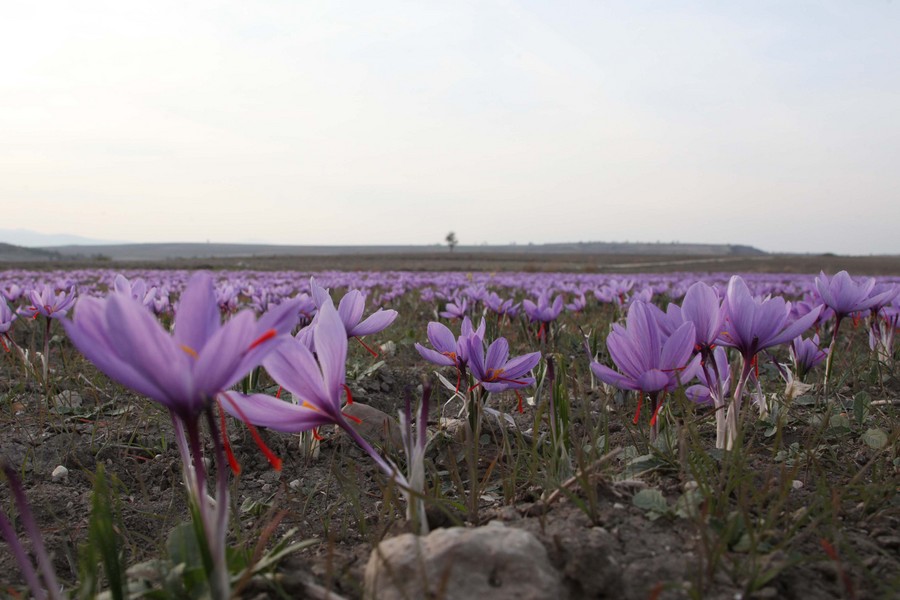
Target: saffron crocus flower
pixel 350 309
pixel 578 304
pixel 450 351
pixel 455 310
pixel 844 296
pixel 647 364
pixel 45 301
pixel 752 325
pixel 137 289
pixel 186 372
pixel 882 327
pixel 501 307
pixel 543 311
pixel 495 371
pixel 317 387
pixel 702 307
pixel 7 316
pixel 806 354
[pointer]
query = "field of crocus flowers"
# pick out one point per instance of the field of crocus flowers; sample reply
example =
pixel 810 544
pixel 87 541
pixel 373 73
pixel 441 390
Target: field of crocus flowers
pixel 338 434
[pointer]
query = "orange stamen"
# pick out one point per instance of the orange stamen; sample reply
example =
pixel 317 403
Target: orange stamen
pixel 189 351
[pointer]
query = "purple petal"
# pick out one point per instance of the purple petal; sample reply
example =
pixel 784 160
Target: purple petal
pixel 198 315
pixel 265 411
pixel 607 375
pixel 351 309
pixel 331 347
pixel 377 321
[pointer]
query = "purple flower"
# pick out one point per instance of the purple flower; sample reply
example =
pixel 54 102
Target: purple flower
pixel 45 302
pixel 7 316
pixel 350 309
pixel 578 304
pixel 806 354
pixel 646 363
pixel 844 296
pixel 136 289
pixel 496 372
pixel 184 371
pixel 702 307
pixel 543 311
pixel 752 325
pixel 456 309
pixel 500 306
pixel 449 351
pixel 717 382
pixel 12 293
pixel 317 386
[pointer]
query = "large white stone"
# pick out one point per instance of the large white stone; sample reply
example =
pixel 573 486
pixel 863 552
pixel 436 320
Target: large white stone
pixel 494 562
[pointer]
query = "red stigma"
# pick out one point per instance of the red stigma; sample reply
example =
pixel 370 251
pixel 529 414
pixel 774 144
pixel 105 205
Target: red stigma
pixel 268 335
pixel 637 413
pixel 349 394
pixel 270 456
pixel 372 352
pixel 232 461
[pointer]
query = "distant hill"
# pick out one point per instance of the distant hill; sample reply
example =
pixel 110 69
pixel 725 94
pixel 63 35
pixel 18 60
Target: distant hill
pixel 166 251
pixel 34 239
pixel 11 253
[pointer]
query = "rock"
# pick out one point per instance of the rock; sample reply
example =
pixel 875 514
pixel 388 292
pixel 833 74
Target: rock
pixel 60 473
pixel 377 427
pixel 494 562
pixel 67 399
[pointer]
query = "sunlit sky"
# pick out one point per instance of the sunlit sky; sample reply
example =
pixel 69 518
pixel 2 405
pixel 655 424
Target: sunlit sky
pixel 774 124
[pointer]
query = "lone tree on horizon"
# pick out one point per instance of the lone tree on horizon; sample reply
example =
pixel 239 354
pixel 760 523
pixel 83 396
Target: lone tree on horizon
pixel 451 240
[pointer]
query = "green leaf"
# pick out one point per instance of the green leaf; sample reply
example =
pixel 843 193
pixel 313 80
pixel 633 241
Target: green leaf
pixel 860 405
pixel 688 504
pixel 875 438
pixel 651 500
pixel 805 401
pixel 839 422
pixel 103 544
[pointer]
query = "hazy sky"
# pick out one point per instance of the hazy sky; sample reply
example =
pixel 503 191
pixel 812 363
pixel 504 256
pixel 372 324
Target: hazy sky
pixel 775 124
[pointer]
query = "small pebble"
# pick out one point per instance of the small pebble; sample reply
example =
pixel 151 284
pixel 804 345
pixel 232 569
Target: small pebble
pixel 60 473
pixel 797 484
pixel 295 484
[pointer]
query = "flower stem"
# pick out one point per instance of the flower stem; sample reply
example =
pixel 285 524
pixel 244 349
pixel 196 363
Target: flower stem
pixel 829 362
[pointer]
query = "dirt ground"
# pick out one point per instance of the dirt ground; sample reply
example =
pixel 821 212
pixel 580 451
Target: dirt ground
pixel 605 545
